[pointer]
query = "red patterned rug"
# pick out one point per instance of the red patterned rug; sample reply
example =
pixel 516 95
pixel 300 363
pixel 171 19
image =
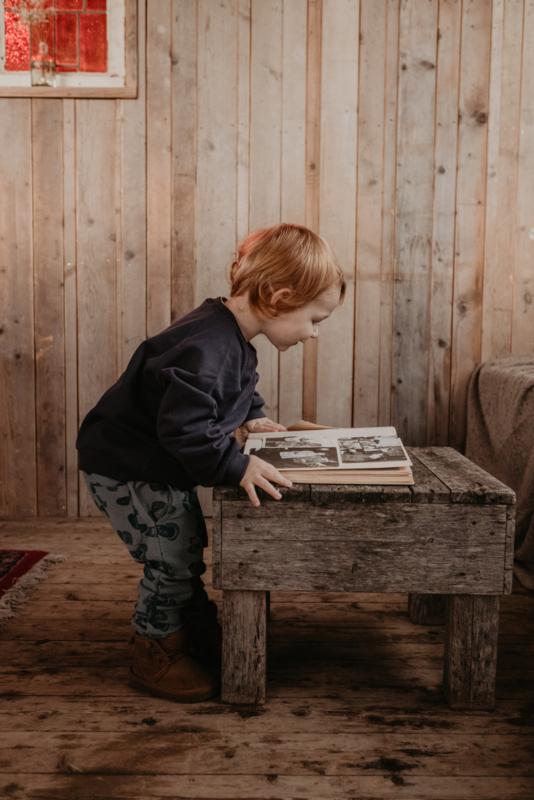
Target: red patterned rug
pixel 20 571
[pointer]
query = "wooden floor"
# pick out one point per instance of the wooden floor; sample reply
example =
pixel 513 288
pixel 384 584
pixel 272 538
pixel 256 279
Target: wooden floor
pixel 354 708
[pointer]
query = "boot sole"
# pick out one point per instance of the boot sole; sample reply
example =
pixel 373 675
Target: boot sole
pixel 193 697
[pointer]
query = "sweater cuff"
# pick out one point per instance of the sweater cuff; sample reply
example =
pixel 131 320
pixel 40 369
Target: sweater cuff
pixel 236 469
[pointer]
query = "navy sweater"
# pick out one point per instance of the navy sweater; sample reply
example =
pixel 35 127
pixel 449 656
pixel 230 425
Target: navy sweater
pixel 169 417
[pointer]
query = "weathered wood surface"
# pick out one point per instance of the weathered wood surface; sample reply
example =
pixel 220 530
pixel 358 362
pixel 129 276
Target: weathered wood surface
pixel 158 161
pixel 470 206
pixel 418 27
pixel 444 219
pixel 509 549
pixel 70 302
pixel 132 207
pixel 355 713
pixel 370 313
pixel 312 677
pixel 293 175
pixel 18 472
pixel 216 543
pixel 206 786
pixel 418 548
pixel 338 119
pixel 265 154
pixel 503 169
pixel 47 154
pixel 97 186
pixel 471 651
pixel 450 534
pixel 315 618
pixel 467 482
pixel 441 474
pixel 316 752
pixel 522 326
pixel 355 703
pixel 343 115
pixel 244 652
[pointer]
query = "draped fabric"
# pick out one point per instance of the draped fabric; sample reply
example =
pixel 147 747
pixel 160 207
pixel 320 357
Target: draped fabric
pixel 500 439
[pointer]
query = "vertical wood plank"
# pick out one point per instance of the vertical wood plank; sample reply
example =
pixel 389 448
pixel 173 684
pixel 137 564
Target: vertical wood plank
pixel 242 134
pixel 70 298
pixel 216 167
pixel 217 145
pixel 502 177
pixel 159 109
pixel 216 543
pixel 471 650
pixel 339 86
pixel 367 320
pixel 244 647
pixel 391 59
pixel 443 225
pixel 243 151
pixel 183 104
pixel 314 36
pixel 18 487
pixel 243 118
pixel 509 549
pixel 293 177
pixel 492 173
pixel 47 156
pixel 131 250
pixel 266 156
pixel 470 208
pixel 411 329
pixel 96 125
pixel 523 315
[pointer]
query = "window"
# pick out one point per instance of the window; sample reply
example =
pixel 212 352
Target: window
pixel 68 48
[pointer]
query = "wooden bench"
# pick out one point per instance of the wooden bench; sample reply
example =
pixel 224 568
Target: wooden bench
pixel 446 540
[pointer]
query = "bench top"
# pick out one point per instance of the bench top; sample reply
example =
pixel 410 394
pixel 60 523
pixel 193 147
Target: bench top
pixel 441 475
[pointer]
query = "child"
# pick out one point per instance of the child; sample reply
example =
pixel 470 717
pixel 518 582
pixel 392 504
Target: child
pixel 177 418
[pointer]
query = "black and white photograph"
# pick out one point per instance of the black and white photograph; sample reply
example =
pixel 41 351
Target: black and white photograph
pixel 310 457
pixel 294 441
pixel 364 449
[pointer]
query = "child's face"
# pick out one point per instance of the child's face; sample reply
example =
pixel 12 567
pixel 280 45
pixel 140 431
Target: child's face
pixel 292 327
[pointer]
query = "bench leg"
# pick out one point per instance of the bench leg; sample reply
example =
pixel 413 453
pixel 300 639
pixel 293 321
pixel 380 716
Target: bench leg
pixel 244 632
pixel 427 609
pixel 471 650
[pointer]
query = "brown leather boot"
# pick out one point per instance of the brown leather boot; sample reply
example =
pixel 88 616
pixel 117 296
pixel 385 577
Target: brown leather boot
pixel 164 667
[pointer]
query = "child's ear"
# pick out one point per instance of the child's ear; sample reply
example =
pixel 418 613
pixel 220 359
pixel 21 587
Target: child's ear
pixel 278 297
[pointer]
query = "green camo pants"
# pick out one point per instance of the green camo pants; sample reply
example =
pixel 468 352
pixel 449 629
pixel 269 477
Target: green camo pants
pixel 164 530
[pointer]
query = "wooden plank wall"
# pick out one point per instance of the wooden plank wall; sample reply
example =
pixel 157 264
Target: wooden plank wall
pixel 401 130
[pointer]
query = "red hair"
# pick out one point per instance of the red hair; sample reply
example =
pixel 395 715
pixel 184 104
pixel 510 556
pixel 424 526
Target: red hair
pixel 284 256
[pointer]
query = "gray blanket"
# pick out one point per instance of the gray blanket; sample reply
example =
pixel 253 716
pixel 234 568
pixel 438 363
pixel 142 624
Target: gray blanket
pixel 500 439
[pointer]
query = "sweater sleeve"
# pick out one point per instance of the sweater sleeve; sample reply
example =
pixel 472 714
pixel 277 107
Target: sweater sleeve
pixel 256 407
pixel 187 428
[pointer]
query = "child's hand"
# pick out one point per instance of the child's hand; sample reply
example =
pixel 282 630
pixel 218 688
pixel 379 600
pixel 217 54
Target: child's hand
pixel 263 425
pixel 260 473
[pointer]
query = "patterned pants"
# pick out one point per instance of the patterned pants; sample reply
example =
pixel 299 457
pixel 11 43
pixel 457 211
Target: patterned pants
pixel 164 530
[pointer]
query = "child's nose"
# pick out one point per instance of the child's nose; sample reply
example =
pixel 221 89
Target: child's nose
pixel 315 332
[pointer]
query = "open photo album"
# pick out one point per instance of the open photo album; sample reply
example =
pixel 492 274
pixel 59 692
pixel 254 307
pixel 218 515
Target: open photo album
pixel 320 454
